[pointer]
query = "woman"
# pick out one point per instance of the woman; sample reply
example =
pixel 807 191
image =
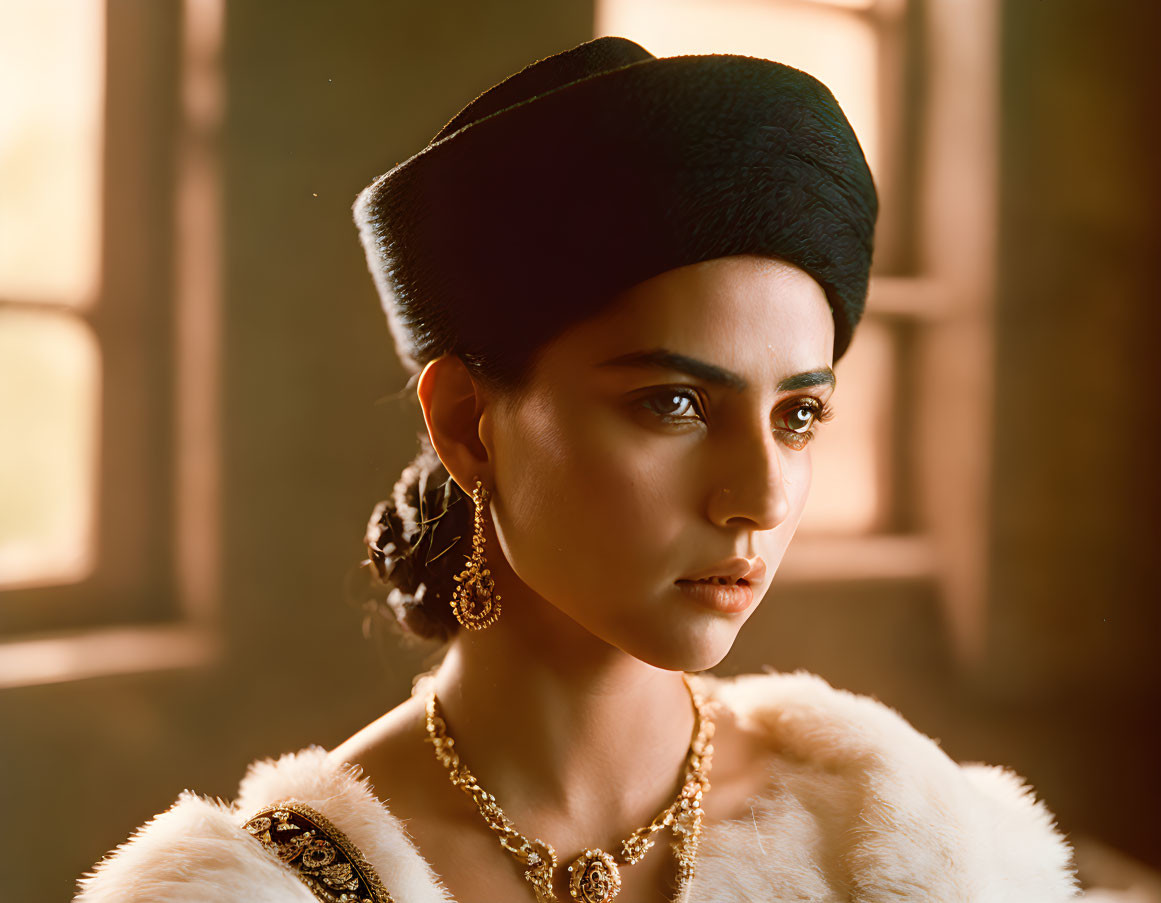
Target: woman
pixel 621 283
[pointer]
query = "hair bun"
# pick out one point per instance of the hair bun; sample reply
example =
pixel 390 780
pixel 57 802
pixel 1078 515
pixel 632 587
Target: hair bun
pixel 411 540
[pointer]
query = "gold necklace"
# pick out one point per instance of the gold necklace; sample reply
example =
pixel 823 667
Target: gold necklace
pixel 594 875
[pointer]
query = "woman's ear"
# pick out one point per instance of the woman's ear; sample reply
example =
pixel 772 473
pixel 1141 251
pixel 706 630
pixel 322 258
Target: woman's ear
pixel 452 406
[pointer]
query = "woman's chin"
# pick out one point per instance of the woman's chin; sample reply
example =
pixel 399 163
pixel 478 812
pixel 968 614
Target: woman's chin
pixel 697 651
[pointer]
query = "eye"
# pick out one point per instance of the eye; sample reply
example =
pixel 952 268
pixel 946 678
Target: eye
pixel 801 417
pixel 795 423
pixel 674 404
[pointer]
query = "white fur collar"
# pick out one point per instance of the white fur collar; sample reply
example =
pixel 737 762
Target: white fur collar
pixel 860 807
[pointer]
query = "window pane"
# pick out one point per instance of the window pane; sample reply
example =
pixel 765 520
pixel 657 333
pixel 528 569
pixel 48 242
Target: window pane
pixel 851 491
pixel 834 45
pixel 49 391
pixel 51 93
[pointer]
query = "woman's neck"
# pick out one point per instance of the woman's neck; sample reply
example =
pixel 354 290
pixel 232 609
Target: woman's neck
pixel 562 728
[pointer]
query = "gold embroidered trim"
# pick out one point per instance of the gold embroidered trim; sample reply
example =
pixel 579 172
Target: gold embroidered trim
pixel 321 855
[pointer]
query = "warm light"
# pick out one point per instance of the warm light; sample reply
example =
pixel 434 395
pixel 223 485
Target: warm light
pixel 101 652
pixel 49 397
pixel 847 4
pixel 827 40
pixel 51 98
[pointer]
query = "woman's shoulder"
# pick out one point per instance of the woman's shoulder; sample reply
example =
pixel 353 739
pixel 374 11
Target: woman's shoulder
pixel 202 848
pixel 903 813
pixel 197 849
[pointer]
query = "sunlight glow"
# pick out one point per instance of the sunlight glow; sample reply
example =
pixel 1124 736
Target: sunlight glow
pixel 51 100
pixel 49 397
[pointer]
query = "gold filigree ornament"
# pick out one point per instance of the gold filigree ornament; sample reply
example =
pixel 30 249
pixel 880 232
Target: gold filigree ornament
pixel 594 875
pixel 475 602
pixel 321 855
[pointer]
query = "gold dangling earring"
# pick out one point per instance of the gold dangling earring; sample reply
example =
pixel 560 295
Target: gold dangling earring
pixel 475 602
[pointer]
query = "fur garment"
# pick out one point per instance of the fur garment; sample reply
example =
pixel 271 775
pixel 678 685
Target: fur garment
pixel 859 807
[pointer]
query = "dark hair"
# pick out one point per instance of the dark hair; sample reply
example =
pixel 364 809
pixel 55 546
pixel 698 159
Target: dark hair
pixel 551 193
pixel 412 541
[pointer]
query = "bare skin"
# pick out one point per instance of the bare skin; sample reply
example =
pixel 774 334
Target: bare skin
pixel 606 490
pixel 448 832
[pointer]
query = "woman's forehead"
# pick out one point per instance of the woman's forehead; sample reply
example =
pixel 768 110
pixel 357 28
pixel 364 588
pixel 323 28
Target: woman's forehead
pixel 741 291
pixel 742 308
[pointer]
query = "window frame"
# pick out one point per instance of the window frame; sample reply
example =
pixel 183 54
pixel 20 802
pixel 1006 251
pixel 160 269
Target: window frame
pixel 149 601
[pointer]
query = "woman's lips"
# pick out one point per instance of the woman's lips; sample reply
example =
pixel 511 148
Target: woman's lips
pixel 720 597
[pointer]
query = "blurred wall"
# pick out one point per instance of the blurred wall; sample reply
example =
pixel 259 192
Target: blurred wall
pixel 1074 605
pixel 321 98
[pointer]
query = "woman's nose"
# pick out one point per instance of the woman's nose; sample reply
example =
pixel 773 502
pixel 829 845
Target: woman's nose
pixel 755 488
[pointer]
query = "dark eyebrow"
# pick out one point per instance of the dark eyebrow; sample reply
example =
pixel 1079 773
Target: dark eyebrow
pixel 711 373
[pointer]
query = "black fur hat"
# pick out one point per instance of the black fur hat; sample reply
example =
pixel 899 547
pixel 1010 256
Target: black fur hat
pixel 602 166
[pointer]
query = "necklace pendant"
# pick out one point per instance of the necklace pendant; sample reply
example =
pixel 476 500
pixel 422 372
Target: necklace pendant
pixel 594 877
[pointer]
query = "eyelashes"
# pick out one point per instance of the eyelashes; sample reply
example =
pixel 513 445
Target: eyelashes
pixel 794 422
pixel 819 412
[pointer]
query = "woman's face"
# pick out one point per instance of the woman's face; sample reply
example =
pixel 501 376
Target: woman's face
pixel 612 481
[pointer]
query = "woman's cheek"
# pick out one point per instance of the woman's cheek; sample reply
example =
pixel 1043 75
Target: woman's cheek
pixel 801 474
pixel 641 476
pixel 622 498
pixel 797 486
pixel 558 486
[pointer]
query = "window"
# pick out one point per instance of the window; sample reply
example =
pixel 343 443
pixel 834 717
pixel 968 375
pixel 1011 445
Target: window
pixel 107 300
pixel 51 93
